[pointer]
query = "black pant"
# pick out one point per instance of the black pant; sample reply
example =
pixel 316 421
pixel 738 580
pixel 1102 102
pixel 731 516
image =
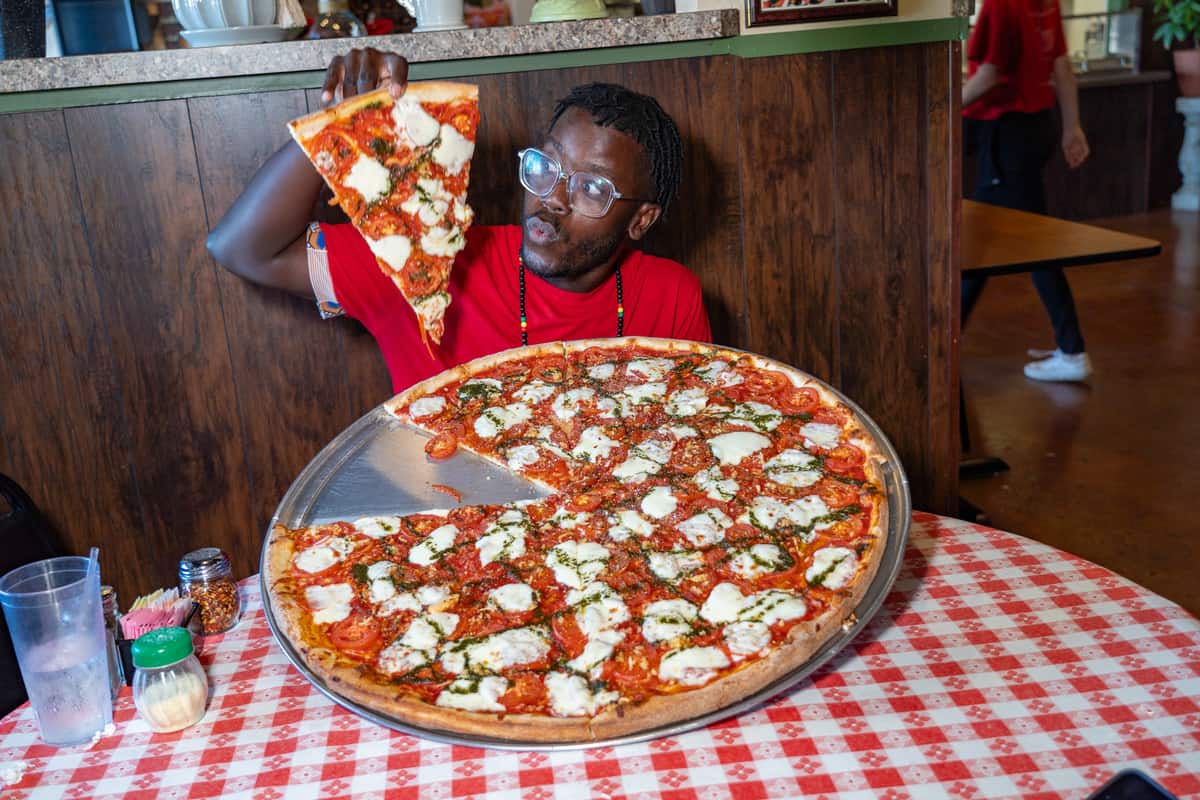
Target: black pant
pixel 1011 153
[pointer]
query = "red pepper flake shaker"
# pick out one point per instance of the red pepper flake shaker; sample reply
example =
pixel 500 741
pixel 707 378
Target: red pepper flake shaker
pixel 206 577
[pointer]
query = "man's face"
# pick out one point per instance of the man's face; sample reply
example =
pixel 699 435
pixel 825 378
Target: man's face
pixel 555 241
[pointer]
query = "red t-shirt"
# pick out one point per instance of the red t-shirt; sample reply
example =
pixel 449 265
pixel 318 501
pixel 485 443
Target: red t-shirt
pixel 661 297
pixel 1021 38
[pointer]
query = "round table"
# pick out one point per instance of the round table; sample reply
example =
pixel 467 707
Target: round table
pixel 998 667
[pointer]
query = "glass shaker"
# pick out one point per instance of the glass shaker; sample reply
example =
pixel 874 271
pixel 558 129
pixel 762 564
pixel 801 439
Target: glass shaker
pixel 108 603
pixel 206 577
pixel 170 688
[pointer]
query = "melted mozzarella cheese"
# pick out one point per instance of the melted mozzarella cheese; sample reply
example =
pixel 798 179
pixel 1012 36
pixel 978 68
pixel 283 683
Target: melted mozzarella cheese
pixel 377 527
pixel 513 597
pixel 416 124
pixel 665 620
pixel 453 151
pixel 659 502
pixel 746 638
pixel 431 306
pixel 569 520
pixel 521 456
pixel 404 601
pixel 329 603
pixel 432 547
pixel 711 370
pixel 323 555
pixel 570 696
pixel 441 241
pixel 714 484
pixel 636 468
pixel 474 694
pixel 432 596
pixel 426 406
pixel 576 564
pixel 755 415
pixel 380 569
pixel 494 420
pixel 657 450
pixel 645 392
pixel 504 539
pixel 498 651
pixel 687 403
pixel 479 387
pixel 671 565
pixel 681 431
pixel 428 632
pixel 832 567
pixel 724 603
pixel 793 468
pixel 692 666
pixel 821 434
pixel 626 522
pixel 598 608
pixel 534 392
pixel 652 369
pixel 382 589
pixel 731 448
pixel 369 178
pixel 566 405
pixel 771 606
pixel 593 444
pixel 596 652
pixel 601 372
pixel 398 659
pixel 707 527
pixel 393 250
pixel 757 560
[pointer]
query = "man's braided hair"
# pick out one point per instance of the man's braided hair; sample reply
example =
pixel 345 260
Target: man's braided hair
pixel 641 118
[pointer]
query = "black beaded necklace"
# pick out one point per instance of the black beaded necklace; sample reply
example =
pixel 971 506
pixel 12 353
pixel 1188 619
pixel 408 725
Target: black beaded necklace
pixel 525 321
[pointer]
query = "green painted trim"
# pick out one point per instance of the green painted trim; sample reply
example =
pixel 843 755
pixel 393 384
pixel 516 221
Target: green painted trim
pixel 917 31
pixel 751 46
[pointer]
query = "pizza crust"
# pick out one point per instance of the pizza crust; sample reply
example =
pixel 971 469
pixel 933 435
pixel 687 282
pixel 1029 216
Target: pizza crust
pixel 622 719
pixel 310 125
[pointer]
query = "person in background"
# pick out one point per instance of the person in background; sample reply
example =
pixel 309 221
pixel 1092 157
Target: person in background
pixel 606 168
pixel 1017 69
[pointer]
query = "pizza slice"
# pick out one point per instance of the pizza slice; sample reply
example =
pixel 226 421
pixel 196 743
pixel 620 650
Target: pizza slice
pixel 400 170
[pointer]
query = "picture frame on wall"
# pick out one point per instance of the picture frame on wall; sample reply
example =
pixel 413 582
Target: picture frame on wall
pixel 787 12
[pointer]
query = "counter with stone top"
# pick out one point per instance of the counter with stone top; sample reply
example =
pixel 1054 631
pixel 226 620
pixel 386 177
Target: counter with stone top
pixel 155 66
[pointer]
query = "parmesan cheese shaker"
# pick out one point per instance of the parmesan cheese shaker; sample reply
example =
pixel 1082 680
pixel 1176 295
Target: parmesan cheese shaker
pixel 170 688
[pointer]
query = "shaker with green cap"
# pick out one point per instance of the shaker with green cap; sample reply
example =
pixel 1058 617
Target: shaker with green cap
pixel 170 688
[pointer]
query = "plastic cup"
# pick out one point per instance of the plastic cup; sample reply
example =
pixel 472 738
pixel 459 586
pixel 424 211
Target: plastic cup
pixel 57 627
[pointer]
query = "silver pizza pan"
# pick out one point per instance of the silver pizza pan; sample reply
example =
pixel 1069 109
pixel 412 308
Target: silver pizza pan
pixel 377 466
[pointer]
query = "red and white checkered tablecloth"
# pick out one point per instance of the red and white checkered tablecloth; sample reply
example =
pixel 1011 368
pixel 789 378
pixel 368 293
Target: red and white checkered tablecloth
pixel 998 667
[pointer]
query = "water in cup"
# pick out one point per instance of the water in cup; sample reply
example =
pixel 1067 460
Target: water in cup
pixel 53 612
pixel 69 690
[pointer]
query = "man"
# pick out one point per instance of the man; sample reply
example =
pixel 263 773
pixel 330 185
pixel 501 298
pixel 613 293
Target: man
pixel 1018 67
pixel 605 171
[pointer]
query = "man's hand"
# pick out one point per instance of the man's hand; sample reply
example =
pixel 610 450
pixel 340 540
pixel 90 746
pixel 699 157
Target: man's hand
pixel 1075 146
pixel 361 71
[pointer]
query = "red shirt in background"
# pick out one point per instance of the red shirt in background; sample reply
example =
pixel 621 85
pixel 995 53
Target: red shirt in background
pixel 1021 38
pixel 662 298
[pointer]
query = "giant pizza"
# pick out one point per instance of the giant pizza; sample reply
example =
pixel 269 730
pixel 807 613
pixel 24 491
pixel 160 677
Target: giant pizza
pixel 716 517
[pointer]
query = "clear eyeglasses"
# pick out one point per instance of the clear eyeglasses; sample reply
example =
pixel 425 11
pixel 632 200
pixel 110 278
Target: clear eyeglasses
pixel 588 194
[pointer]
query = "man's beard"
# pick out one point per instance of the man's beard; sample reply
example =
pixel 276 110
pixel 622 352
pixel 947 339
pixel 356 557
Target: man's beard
pixel 579 259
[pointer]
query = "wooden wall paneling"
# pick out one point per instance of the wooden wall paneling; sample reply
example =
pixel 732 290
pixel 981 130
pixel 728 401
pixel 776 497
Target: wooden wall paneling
pixel 879 99
pixel 787 167
pixel 1115 178
pixel 287 363
pixel 367 380
pixel 64 422
pixel 943 158
pixel 145 220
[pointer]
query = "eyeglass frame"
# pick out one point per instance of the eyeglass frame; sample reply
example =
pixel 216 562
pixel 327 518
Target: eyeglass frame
pixel 563 175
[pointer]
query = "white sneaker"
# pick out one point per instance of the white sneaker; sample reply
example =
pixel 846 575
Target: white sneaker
pixel 1060 367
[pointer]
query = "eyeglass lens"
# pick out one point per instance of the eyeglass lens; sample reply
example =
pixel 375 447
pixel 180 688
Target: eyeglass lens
pixel 590 195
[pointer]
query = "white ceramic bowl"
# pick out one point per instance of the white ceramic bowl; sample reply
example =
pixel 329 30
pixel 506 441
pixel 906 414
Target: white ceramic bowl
pixel 209 14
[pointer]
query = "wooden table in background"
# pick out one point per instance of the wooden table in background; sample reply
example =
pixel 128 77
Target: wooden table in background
pixel 1003 241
